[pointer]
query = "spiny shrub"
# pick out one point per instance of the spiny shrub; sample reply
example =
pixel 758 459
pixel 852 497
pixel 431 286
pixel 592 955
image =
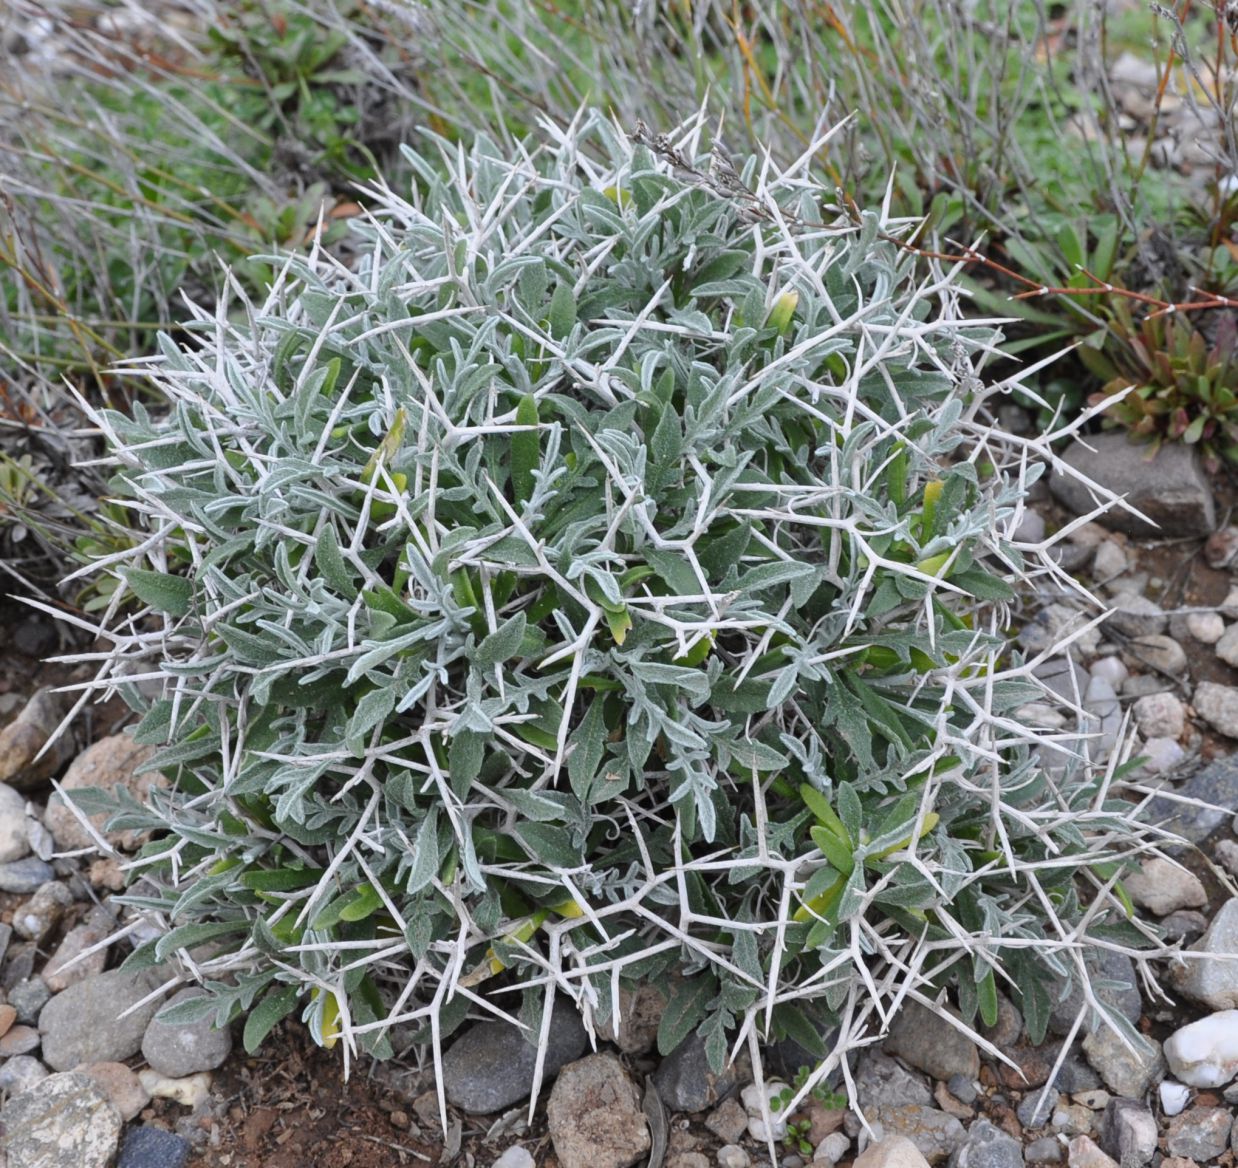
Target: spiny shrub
pixel 603 580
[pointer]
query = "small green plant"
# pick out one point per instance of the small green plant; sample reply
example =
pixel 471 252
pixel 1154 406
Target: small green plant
pixel 798 1131
pixel 595 583
pixel 1169 384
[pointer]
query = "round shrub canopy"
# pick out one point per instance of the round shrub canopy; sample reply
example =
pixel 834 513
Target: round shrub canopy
pixel 602 578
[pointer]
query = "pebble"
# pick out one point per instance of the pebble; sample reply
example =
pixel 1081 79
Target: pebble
pixel 1205 1053
pixel 1226 854
pixel 1174 1096
pixel 733 1156
pixel 1124 1072
pixel 686 1084
pixel 8 1015
pixel 64 1122
pixel 1218 706
pixel 1111 669
pixel 28 997
pixel 1201 1133
pixel 1136 616
pixel 25 876
pixel 1073 1119
pixel 19 1040
pixel 83 1024
pixel 517 1156
pixel 1160 715
pixel 1162 887
pixel 594 1115
pixel 191 1092
pixel 94 929
pixel 1037 1107
pixel 757 1101
pixel 42 912
pixel 121 1085
pixel 891 1152
pixel 490 1066
pixel 1214 982
pixel 987 1146
pixel 1101 964
pixel 640 1011
pixel 831 1149
pixel 1128 1132
pixel 1139 685
pixel 1044 1151
pixel 1051 626
pixel 1206 627
pixel 180 1049
pixel 925 1040
pixel 1083 1153
pixel 1094 1100
pixel 1162 755
pixel 1109 561
pixel 1215 784
pixel 152 1147
pixel 1227 647
pixel 20 1073
pixel 23 738
pixel 963 1088
pixel 1156 652
pixel 109 764
pixel 1185 926
pixel 728 1121
pixel 14 838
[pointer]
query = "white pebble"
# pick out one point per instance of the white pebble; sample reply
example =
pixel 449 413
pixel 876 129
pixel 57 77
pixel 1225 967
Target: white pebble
pixel 1031 528
pixel 733 1156
pixel 1110 562
pixel 191 1091
pixel 1161 755
pixel 1227 646
pixel 832 1149
pixel 1208 627
pixel 515 1157
pixel 1160 715
pixel 1174 1097
pixel 1111 669
pixel 758 1130
pixel 1205 1053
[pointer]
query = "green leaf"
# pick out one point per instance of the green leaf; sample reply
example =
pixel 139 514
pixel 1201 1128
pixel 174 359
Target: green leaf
pixel 986 990
pixel 365 901
pixel 526 450
pixel 689 1001
pixel 266 1015
pixel 562 312
pixel 588 747
pixel 548 844
pixel 164 593
pixel 190 936
pixel 331 563
pixel 503 643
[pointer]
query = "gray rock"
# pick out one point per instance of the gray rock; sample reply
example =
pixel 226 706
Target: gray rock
pixel 84 1024
pixel 930 1043
pixel 1109 562
pixel 1104 721
pixel 24 876
pixel 515 1157
pixel 685 1082
pixel 42 912
pixel 1064 677
pixel 935 1134
pixel 1185 926
pixel 1036 1107
pixel 1125 1072
pixel 640 1011
pixel 1201 1134
pixel 28 997
pixel 1227 646
pixel 1215 784
pixel 94 929
pixel 20 1073
pixel 1218 706
pixel 1156 652
pixel 490 1066
pixel 890 1152
pixel 1136 616
pixel 23 738
pixel 594 1115
pixel 963 1089
pixel 1128 1132
pixel 64 1122
pixel 1206 627
pixel 881 1082
pixel 1044 1151
pixel 14 839
pixel 1171 489
pixel 1083 1153
pixel 987 1146
pixel 1214 982
pixel 1051 625
pixel 728 1121
pixel 1105 966
pixel 18 964
pixel 733 1156
pixel 1139 685
pixel 177 1050
pixel 1076 1075
pixel 152 1147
